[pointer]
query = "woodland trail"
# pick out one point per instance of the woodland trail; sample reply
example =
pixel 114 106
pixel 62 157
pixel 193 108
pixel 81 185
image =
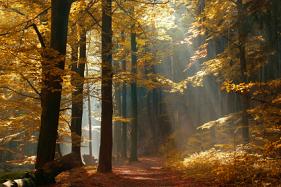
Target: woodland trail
pixel 148 172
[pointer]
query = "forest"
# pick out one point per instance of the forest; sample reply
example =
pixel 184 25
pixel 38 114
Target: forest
pixel 145 93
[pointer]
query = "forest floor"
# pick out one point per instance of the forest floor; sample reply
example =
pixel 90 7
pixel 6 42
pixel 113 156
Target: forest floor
pixel 147 172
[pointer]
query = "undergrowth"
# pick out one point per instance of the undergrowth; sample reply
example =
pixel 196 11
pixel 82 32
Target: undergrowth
pixel 228 168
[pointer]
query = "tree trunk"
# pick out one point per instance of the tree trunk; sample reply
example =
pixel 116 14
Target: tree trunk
pixel 118 125
pixel 46 175
pixel 124 125
pixel 105 155
pixel 155 117
pixel 52 83
pixel 134 125
pixel 89 115
pixel 77 96
pixel 243 69
pixel 124 133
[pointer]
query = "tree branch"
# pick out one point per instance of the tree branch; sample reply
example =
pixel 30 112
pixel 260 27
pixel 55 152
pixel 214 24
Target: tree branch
pixel 30 84
pixel 25 23
pixel 20 93
pixel 93 17
pixel 39 35
pixel 64 109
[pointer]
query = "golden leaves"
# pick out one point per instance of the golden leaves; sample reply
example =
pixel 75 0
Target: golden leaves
pixel 200 53
pixel 121 119
pixel 242 88
pixel 227 166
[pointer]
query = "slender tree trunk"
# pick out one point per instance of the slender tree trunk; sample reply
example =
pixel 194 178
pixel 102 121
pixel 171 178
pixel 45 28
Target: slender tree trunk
pixel 89 115
pixel 118 125
pixel 243 68
pixel 149 113
pixel 59 153
pixel 271 22
pixel 115 141
pixel 52 83
pixel 117 112
pixel 124 125
pixel 150 105
pixel 115 123
pixel 124 133
pixel 77 96
pixel 105 155
pixel 155 116
pixel 134 125
pixel 155 104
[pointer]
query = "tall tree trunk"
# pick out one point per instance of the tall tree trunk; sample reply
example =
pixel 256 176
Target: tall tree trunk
pixel 134 125
pixel 89 115
pixel 155 115
pixel 77 95
pixel 124 125
pixel 243 69
pixel 150 109
pixel 52 83
pixel 105 155
pixel 118 125
pixel 124 133
pixel 271 20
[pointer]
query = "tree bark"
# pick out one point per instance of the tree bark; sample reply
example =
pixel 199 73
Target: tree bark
pixel 52 83
pixel 89 115
pixel 243 69
pixel 105 155
pixel 118 125
pixel 77 96
pixel 46 174
pixel 134 125
pixel 124 125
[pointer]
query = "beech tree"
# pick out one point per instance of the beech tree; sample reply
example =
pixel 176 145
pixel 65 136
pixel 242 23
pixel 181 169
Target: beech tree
pixel 52 65
pixel 124 132
pixel 77 95
pixel 105 155
pixel 134 128
pixel 242 36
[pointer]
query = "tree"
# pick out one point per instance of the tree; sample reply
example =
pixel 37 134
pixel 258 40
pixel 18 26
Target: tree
pixel 52 82
pixel 242 34
pixel 235 39
pixel 134 123
pixel 77 95
pixel 105 155
pixel 124 113
pixel 117 124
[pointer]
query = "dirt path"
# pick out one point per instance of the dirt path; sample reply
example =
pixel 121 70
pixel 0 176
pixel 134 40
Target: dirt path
pixel 148 172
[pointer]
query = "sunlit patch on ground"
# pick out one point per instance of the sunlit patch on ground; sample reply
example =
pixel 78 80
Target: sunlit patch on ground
pixel 230 168
pixel 147 172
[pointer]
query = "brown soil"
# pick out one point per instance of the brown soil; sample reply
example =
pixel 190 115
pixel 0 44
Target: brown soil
pixel 148 172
